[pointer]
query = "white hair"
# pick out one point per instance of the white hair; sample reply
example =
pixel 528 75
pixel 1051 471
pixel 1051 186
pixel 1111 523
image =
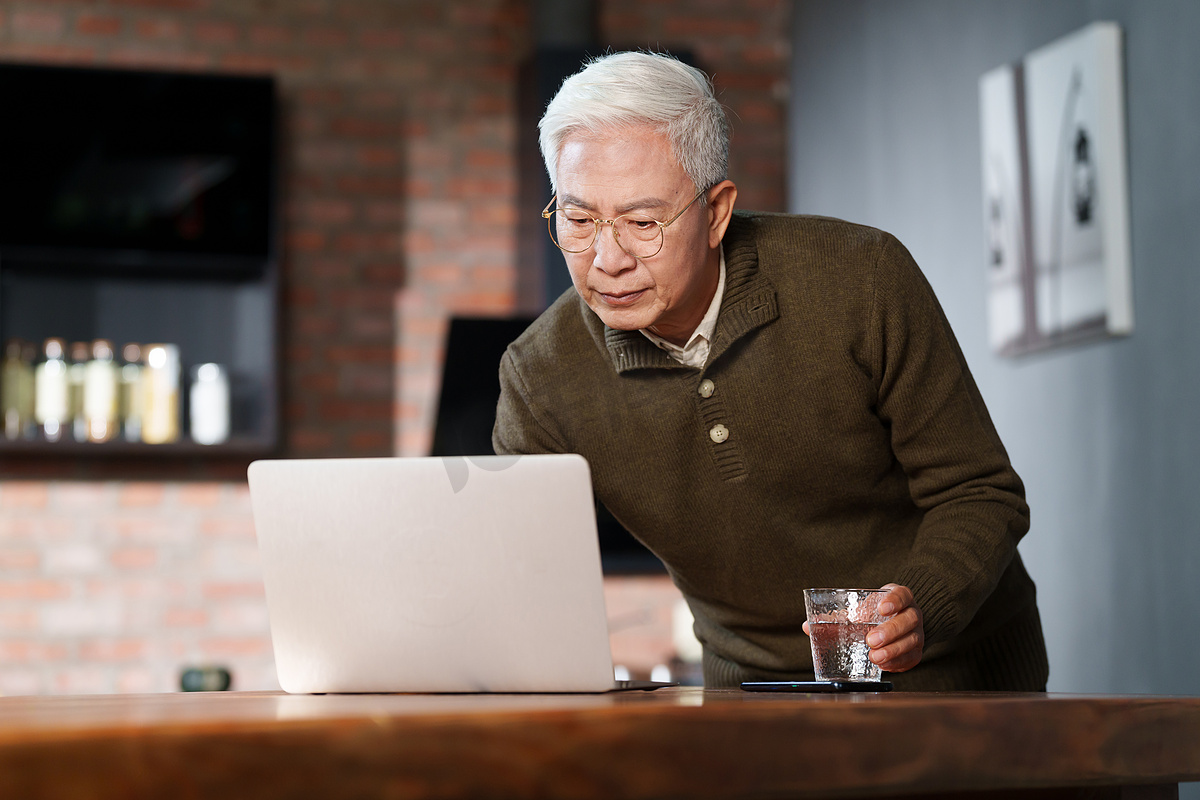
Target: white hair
pixel 630 89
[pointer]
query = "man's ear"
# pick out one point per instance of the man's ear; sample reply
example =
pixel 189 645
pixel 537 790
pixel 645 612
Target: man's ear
pixel 720 210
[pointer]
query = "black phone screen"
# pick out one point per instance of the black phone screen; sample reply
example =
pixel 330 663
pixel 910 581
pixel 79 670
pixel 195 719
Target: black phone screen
pixel 817 686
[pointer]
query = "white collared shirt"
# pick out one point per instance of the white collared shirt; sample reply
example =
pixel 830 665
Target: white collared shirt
pixel 695 352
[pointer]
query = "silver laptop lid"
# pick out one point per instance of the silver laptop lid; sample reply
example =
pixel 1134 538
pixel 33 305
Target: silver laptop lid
pixel 477 574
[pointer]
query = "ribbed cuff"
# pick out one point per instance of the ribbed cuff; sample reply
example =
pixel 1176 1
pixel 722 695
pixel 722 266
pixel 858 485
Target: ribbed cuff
pixel 933 598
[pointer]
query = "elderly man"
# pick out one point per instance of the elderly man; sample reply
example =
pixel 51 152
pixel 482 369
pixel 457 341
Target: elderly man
pixel 768 402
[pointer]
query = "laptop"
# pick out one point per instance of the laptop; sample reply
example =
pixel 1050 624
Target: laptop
pixel 454 574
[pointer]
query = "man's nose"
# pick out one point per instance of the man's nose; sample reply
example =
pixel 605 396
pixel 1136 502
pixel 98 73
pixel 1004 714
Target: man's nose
pixel 609 256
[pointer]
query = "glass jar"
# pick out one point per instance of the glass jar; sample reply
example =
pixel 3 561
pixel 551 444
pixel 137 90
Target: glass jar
pixel 100 393
pixel 160 390
pixel 16 390
pixel 80 354
pixel 132 396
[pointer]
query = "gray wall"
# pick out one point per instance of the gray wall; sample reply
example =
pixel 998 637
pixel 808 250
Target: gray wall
pixel 885 130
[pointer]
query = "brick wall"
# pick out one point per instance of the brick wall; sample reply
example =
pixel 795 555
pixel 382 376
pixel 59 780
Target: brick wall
pixel 110 586
pixel 400 128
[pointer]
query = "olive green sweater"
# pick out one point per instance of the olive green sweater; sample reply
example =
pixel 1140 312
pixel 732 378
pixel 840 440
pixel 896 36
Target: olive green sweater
pixel 859 452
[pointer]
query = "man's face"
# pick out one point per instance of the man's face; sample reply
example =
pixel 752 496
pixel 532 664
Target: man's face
pixel 633 171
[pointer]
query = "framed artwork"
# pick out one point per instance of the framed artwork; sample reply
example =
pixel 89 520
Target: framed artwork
pixel 1055 195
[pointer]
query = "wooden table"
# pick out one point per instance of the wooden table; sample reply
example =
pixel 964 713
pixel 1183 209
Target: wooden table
pixel 673 743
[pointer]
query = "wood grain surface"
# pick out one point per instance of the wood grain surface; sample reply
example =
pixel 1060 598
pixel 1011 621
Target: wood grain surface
pixel 672 743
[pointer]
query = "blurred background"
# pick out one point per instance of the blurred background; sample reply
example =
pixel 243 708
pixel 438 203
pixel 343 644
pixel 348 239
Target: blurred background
pixel 407 195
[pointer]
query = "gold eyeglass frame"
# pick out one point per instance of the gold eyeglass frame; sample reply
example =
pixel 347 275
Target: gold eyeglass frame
pixel 548 215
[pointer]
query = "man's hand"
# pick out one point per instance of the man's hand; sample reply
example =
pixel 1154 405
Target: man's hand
pixel 897 644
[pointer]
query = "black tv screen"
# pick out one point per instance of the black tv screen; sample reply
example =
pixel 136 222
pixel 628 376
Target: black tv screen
pixel 120 165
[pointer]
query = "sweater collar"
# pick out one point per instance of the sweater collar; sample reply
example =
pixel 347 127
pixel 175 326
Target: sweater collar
pixel 749 303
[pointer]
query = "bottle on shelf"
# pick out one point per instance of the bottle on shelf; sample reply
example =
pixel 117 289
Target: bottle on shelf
pixel 80 354
pixel 208 403
pixel 100 393
pixel 132 396
pixel 16 390
pixel 160 420
pixel 52 408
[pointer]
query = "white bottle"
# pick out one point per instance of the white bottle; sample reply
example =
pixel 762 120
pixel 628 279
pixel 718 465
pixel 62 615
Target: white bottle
pixel 52 407
pixel 208 402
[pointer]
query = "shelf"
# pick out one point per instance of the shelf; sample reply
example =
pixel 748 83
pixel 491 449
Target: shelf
pixel 235 447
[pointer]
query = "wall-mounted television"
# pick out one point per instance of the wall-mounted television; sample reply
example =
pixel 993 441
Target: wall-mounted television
pixel 134 168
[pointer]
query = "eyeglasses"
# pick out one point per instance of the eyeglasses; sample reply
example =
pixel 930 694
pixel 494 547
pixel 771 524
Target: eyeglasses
pixel 573 230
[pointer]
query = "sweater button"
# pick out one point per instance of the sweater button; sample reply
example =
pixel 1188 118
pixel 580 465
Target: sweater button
pixel 719 433
pixel 707 388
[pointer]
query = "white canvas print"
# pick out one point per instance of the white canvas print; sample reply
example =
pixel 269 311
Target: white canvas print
pixel 1055 195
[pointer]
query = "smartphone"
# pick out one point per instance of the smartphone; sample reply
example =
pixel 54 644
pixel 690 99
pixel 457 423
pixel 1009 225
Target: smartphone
pixel 817 686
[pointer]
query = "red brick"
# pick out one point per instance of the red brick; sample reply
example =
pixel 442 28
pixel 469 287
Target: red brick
pixel 309 441
pixel 449 274
pixel 165 5
pixel 39 23
pixel 18 620
pixel 355 410
pixel 141 495
pixel 486 159
pixel 201 495
pixel 725 27
pixel 154 528
pixel 299 353
pixel 23 494
pixel 368 381
pixel 151 57
pixel 159 29
pixel 98 25
pixel 232 527
pixel 113 650
pixel 224 590
pixel 133 557
pixel 270 35
pixel 386 39
pixel 473 187
pixel 323 383
pixel 378 156
pixel 185 618
pixel 215 33
pixel 328 211
pixel 231 646
pixel 372 442
pixel 319 326
pixel 383 273
pixel 31 651
pixel 34 589
pixel 366 127
pixel 367 242
pixel 383 185
pixel 268 63
pixel 306 241
pixel 384 212
pixel 50 53
pixel 12 559
pixel 483 302
pixel 490 104
pixel 326 37
pixel 79 495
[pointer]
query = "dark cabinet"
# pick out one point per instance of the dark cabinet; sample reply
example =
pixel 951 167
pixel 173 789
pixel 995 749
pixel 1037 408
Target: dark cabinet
pixel 140 207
